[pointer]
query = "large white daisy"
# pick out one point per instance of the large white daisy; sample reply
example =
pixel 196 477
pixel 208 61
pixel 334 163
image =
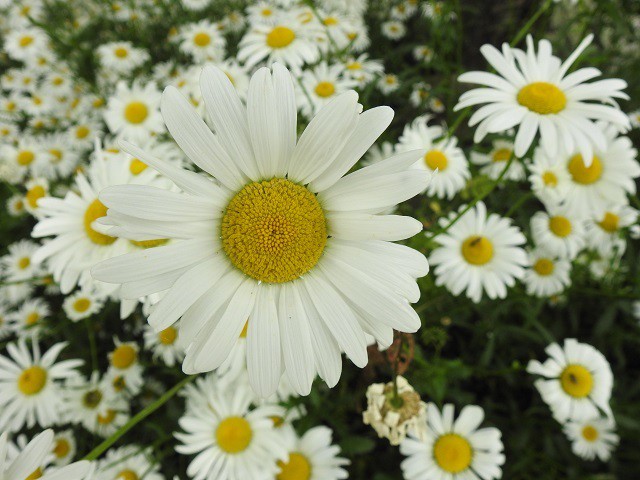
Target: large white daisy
pixel 281 238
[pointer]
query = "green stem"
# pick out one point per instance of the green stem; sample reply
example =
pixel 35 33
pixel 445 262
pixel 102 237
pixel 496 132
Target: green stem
pixel 26 280
pixel 104 446
pixel 527 26
pixel 519 203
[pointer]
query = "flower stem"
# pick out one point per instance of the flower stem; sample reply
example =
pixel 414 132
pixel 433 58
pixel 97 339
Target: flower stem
pixel 104 446
pixel 527 26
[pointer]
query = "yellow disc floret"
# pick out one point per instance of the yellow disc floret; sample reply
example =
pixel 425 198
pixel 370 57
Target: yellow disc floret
pixel 297 468
pixel 280 37
pixel 542 97
pixel 477 250
pixel 325 89
pixel 560 226
pixel 121 52
pixel 95 211
pixel 274 231
pixel 127 475
pixel 234 434
pixel 581 173
pixel 136 112
pixel 168 336
pixel 81 305
pixel 32 380
pixel 452 453
pixel 35 475
pixel 136 167
pixel 25 157
pixel 589 433
pixel 202 39
pixel 34 194
pixel 550 179
pixel 61 448
pixel 610 223
pixel 576 381
pixel 124 356
pixel 501 155
pixel 436 159
pixel 543 266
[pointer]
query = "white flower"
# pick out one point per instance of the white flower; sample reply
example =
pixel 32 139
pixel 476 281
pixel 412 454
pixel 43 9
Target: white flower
pixel 558 232
pixel 121 57
pixel 547 275
pixel 603 232
pixel 17 263
pixel 134 113
pixel 82 304
pixel 591 438
pixel 454 449
pixel 320 85
pixel 164 344
pixel 28 319
pixel 25 43
pixel 125 371
pixel 493 163
pixel 64 447
pixel 388 83
pixel 533 90
pixel 577 381
pixel 394 29
pixel 202 40
pixel 362 69
pixel 549 179
pixel 128 463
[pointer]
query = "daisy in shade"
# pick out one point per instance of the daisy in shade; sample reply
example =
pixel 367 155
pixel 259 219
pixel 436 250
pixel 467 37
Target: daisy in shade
pixel 18 263
pixel 549 179
pixel 454 448
pixel 64 447
pixel 281 239
pixel 603 232
pixel 444 159
pixel 479 254
pixel 125 371
pixel 82 304
pixel 133 113
pixel 29 318
pixel 121 57
pixel 25 43
pixel 30 385
pixel 311 456
pixel 129 463
pixel 595 437
pixel 244 444
pixel 607 179
pixel 362 69
pixel 493 163
pixel 547 275
pixel 320 85
pixel 533 91
pixel 394 29
pixel 202 40
pixel 164 344
pixel 388 83
pixel 15 205
pixel 558 232
pixel 577 381
pixel 28 463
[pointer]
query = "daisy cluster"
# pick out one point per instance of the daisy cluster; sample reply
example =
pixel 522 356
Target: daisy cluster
pixel 209 206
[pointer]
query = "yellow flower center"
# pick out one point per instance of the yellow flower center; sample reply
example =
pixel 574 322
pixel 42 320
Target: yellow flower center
pixel 149 243
pixel 121 52
pixel 274 231
pixel 477 250
pixel 107 418
pixel 589 433
pixel 24 262
pixel 576 381
pixel 61 448
pixel 32 380
pixel 32 318
pixel 127 475
pixel 26 41
pixel 81 305
pixel 136 167
pixel 542 97
pixel 325 89
pixel 435 159
pixel 280 37
pixel 266 12
pixel 234 434
pixel 92 398
pixel 25 157
pixel 57 81
pixel 452 453
pixel 277 421
pixel 354 66
pixel 202 39
pixel 543 266
pixel 82 132
pixel 560 226
pixel 550 179
pixel 95 211
pixel 124 356
pixel 583 174
pixel 56 154
pixel 610 223
pixel 136 112
pixel 329 21
pixel 501 155
pixel 36 474
pixel 168 336
pixel 97 103
pixel 33 194
pixel 297 468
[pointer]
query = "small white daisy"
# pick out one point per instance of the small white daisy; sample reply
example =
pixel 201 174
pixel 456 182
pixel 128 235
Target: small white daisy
pixel 593 437
pixel 394 29
pixel 82 304
pixel 547 275
pixel 134 113
pixel 549 179
pixel 558 232
pixel 121 57
pixel 320 85
pixel 388 83
pixel 164 344
pixel 493 163
pixel 64 447
pixel 29 318
pixel 202 40
pixel 129 463
pixel 125 371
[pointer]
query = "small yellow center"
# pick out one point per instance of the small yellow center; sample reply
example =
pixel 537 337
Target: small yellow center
pixel 325 89
pixel 543 266
pixel 297 468
pixel 136 167
pixel 329 21
pixel 81 305
pixel 36 474
pixel 477 250
pixel 550 179
pixel 168 336
pixel 435 159
pixel 82 131
pixel 24 262
pixel 127 475
pixel 354 66
pixel 202 39
pixel 610 223
pixel 57 81
pixel 25 157
pixel 32 318
pixel 234 434
pixel 56 154
pixel 576 381
pixel 121 52
pixel 542 97
pixel 92 398
pixel 34 194
pixel 107 418
pixel 560 226
pixel 124 356
pixel 589 433
pixel 280 37
pixel 26 41
pixel 61 448
pixel 32 380
pixel 501 155
pixel 583 174
pixel 136 112
pixel 274 231
pixel 266 12
pixel 95 211
pixel 452 453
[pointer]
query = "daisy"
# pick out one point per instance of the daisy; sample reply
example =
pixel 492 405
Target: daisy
pixel 243 252
pixel 311 456
pixel 82 134
pixel 121 57
pixel 28 319
pixel 30 385
pixel 558 232
pixel 533 90
pixel 195 5
pixel 25 43
pixel 423 53
pixel 202 40
pixel 420 92
pixel 550 182
pixel 493 163
pixel 362 69
pixel 388 83
pixel 164 344
pixel 547 275
pixel 603 232
pixel 320 85
pixel 18 263
pixel 394 29
pixel 134 112
pixel 24 158
pixel 263 12
pixel 62 160
pixel 128 463
pixel 82 304
pixel 444 159
pixel 595 437
pixel 608 179
pixel 479 254
pixel 15 205
pixel 454 449
pixel 125 368
pixel 63 448
pixel 37 188
pixel 244 443
pixel 28 463
pixel 577 381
